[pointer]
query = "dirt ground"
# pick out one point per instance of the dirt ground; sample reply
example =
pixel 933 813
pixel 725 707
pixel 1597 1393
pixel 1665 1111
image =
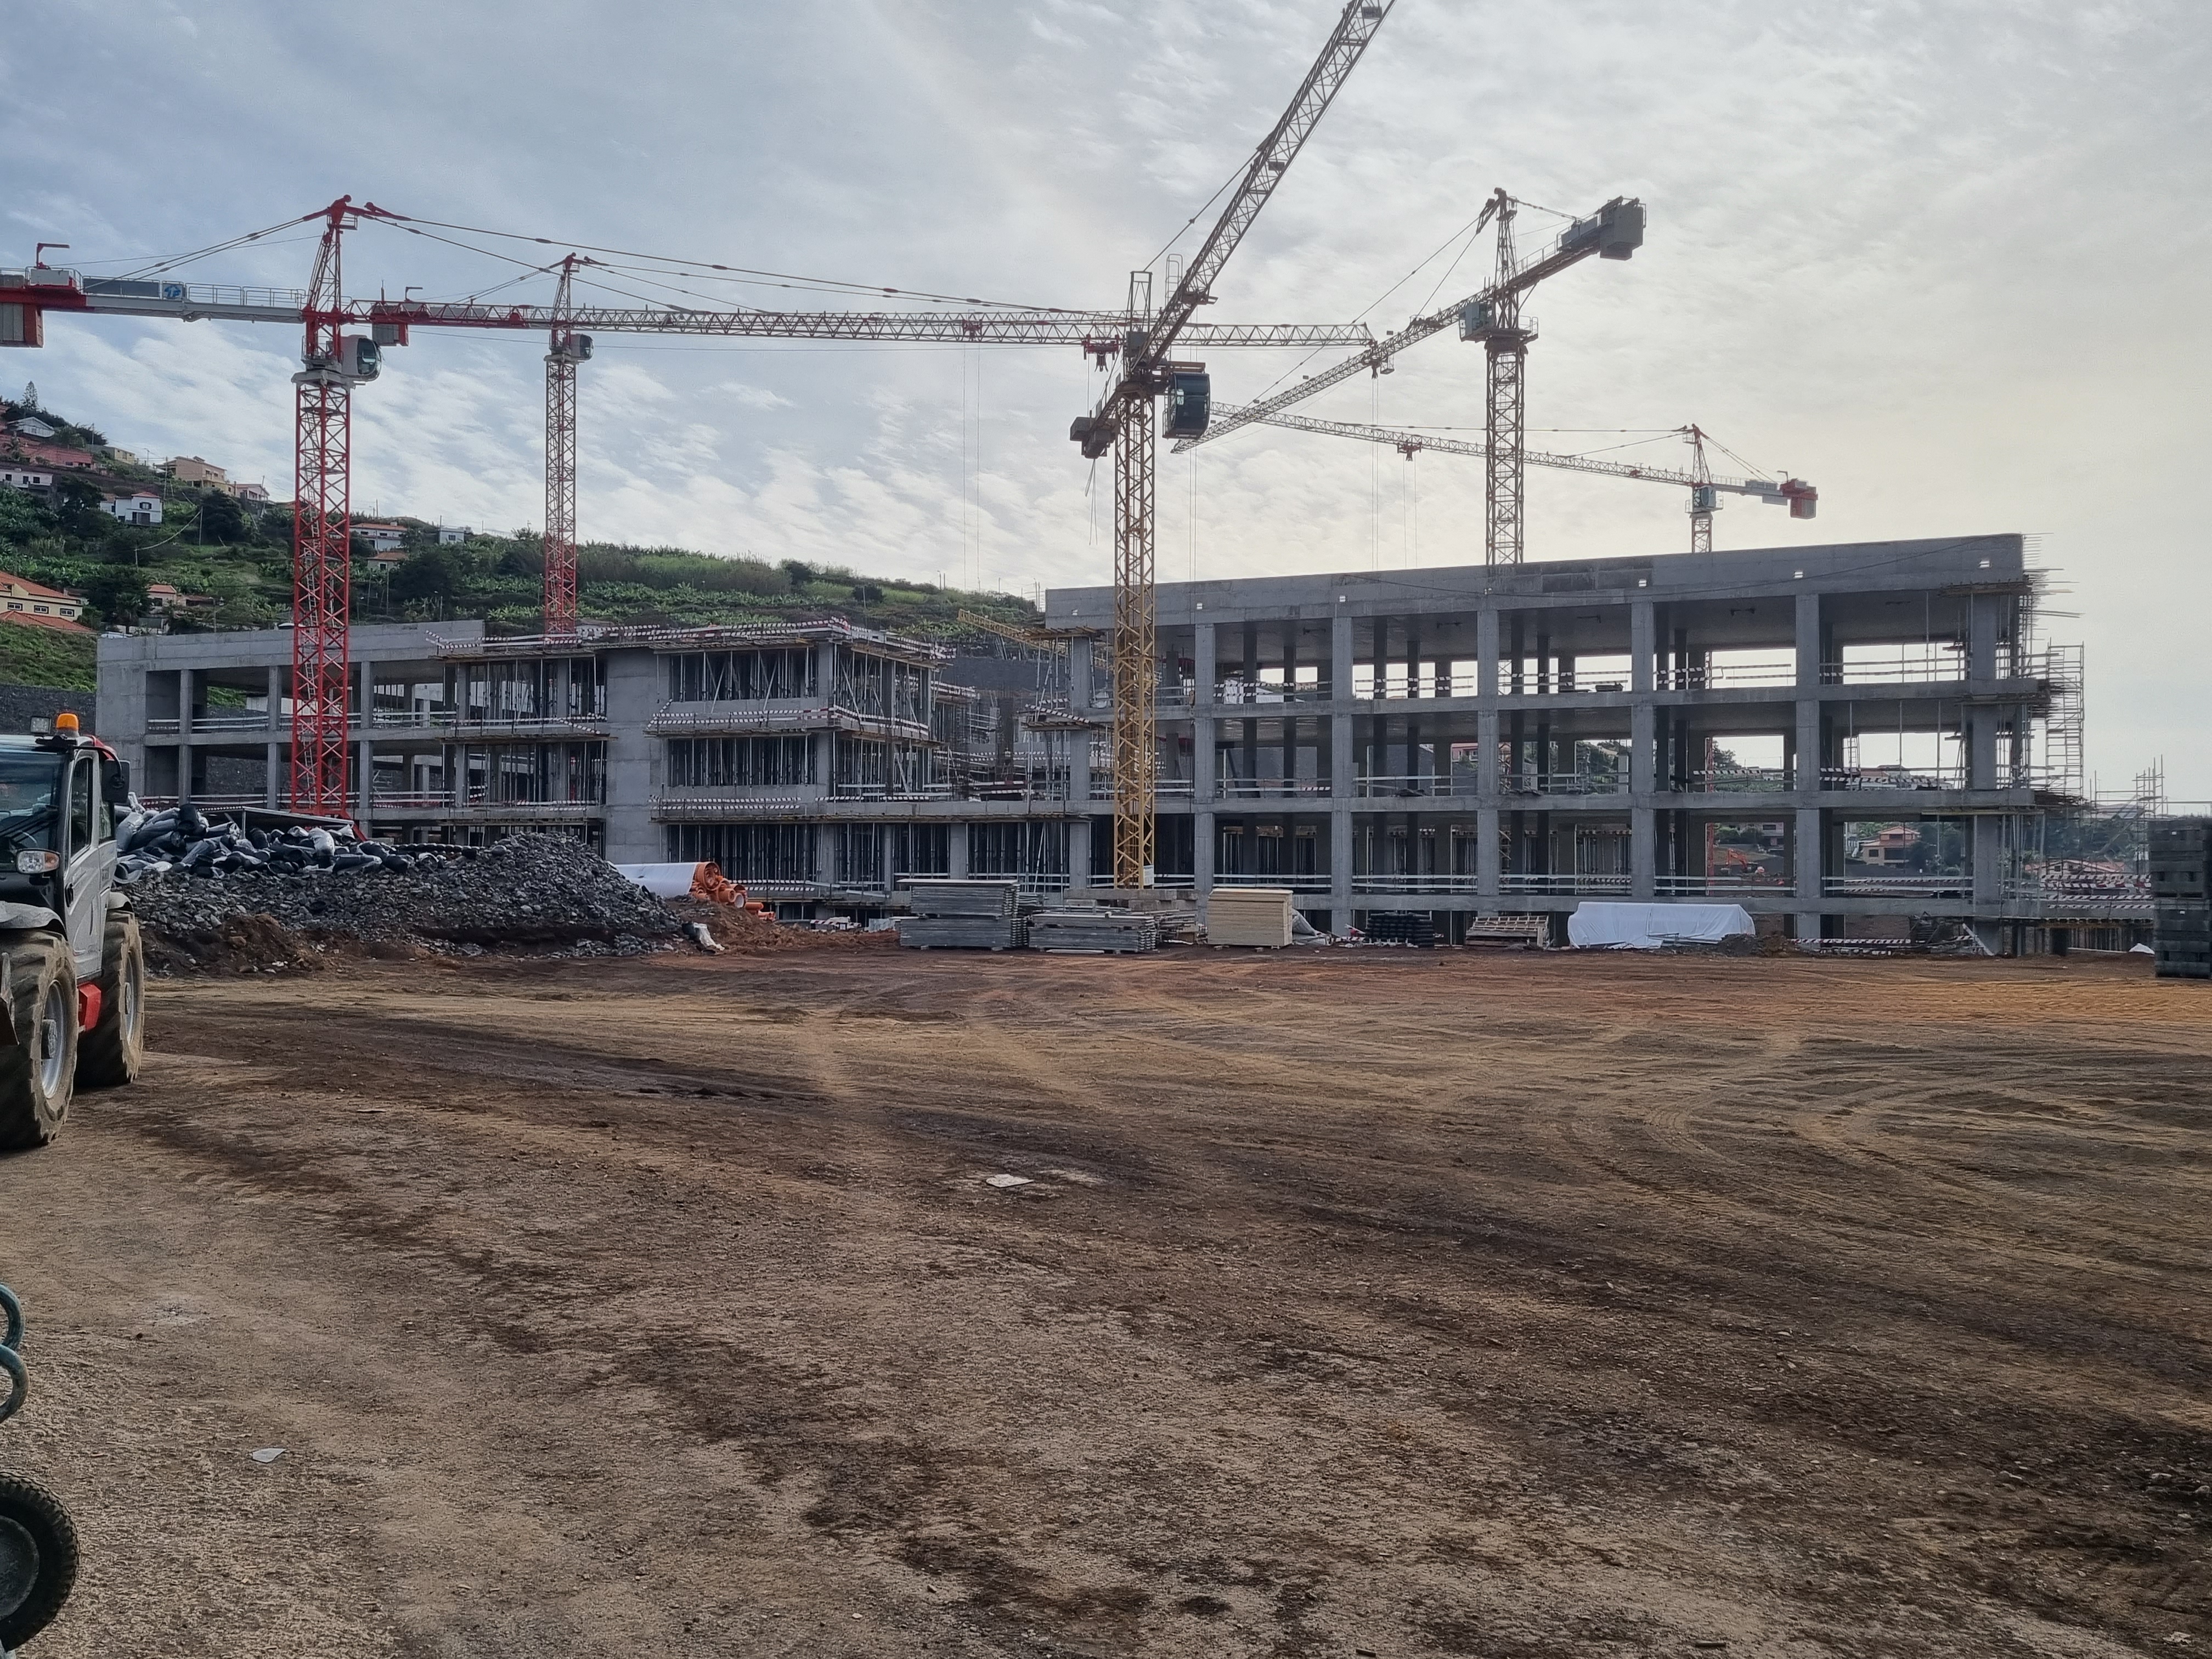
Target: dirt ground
pixel 1388 1303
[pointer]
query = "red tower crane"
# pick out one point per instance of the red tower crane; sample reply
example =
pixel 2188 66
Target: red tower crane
pixel 333 362
pixel 322 527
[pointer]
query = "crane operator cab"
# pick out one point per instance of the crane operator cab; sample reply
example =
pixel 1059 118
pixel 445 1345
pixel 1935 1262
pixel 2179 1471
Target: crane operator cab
pixel 72 969
pixel 1189 404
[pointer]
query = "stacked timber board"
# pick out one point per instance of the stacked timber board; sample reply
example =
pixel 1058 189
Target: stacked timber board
pixel 1257 916
pixel 1087 930
pixel 2181 891
pixel 962 915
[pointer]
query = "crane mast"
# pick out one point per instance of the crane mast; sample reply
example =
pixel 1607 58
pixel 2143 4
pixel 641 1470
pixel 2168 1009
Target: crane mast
pixel 1505 344
pixel 566 349
pixel 1123 422
pixel 322 529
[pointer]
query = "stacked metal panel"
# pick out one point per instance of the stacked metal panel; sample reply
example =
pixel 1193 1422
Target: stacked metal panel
pixel 962 915
pixel 1089 930
pixel 2181 891
pixel 1416 927
pixel 1255 916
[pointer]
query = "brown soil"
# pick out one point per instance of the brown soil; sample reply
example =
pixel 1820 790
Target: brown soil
pixel 1396 1302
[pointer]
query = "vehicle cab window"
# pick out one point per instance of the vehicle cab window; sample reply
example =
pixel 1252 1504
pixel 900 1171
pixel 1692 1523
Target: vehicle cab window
pixel 27 820
pixel 81 796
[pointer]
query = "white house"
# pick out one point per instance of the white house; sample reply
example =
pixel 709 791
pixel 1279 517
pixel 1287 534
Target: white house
pixel 140 507
pixel 450 533
pixel 31 427
pixel 379 538
pixel 14 476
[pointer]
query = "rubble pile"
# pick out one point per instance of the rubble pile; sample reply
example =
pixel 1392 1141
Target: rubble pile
pixel 549 893
pixel 184 838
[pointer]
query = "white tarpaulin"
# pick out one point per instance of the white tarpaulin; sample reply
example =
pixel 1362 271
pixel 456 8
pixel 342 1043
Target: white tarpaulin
pixel 662 880
pixel 1647 927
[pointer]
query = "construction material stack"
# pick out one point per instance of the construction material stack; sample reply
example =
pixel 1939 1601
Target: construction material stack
pixel 1415 927
pixel 962 915
pixel 1254 916
pixel 2181 889
pixel 1093 930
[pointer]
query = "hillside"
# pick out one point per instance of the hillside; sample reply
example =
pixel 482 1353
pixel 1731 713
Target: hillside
pixel 210 545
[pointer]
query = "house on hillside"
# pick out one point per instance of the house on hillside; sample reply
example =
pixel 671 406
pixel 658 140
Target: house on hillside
pixel 136 507
pixel 26 601
pixel 451 534
pixel 379 538
pixel 31 427
pixel 252 494
pixel 162 596
pixel 191 470
pixel 37 451
pixel 14 476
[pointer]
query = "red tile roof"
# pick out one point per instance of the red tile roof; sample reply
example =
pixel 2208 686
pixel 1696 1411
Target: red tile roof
pixel 31 589
pixel 61 624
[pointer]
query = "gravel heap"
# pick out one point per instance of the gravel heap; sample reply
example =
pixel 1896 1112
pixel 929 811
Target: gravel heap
pixel 548 892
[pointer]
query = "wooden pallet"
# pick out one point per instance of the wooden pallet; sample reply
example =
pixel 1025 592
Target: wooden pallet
pixel 1532 933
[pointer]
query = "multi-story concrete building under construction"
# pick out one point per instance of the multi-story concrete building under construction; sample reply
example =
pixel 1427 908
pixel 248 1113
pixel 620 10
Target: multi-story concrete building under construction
pixel 1833 736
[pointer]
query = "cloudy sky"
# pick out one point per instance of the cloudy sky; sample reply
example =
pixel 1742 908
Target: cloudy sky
pixel 1946 261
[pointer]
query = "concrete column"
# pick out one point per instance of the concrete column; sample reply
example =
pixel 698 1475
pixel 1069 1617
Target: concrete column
pixel 1485 651
pixel 1079 850
pixel 1808 781
pixel 1982 748
pixel 825 854
pixel 1808 846
pixel 1489 781
pixel 1809 643
pixel 1642 780
pixel 1988 857
pixel 1340 657
pixel 825 672
pixel 1485 852
pixel 1201 857
pixel 636 687
pixel 1642 853
pixel 1643 643
pixel 1079 675
pixel 277 697
pixel 1339 864
pixel 273 780
pixel 1079 770
pixel 364 744
pixel 185 678
pixel 956 850
pixel 1982 636
pixel 1203 724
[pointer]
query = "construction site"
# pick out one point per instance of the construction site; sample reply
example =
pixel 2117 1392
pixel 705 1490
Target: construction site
pixel 1637 1100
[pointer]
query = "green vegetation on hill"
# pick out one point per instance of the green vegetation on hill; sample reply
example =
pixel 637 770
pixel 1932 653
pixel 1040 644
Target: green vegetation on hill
pixel 41 656
pixel 210 544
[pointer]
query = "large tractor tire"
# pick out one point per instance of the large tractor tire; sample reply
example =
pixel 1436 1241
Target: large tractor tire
pixel 38 1559
pixel 110 1054
pixel 38 1070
